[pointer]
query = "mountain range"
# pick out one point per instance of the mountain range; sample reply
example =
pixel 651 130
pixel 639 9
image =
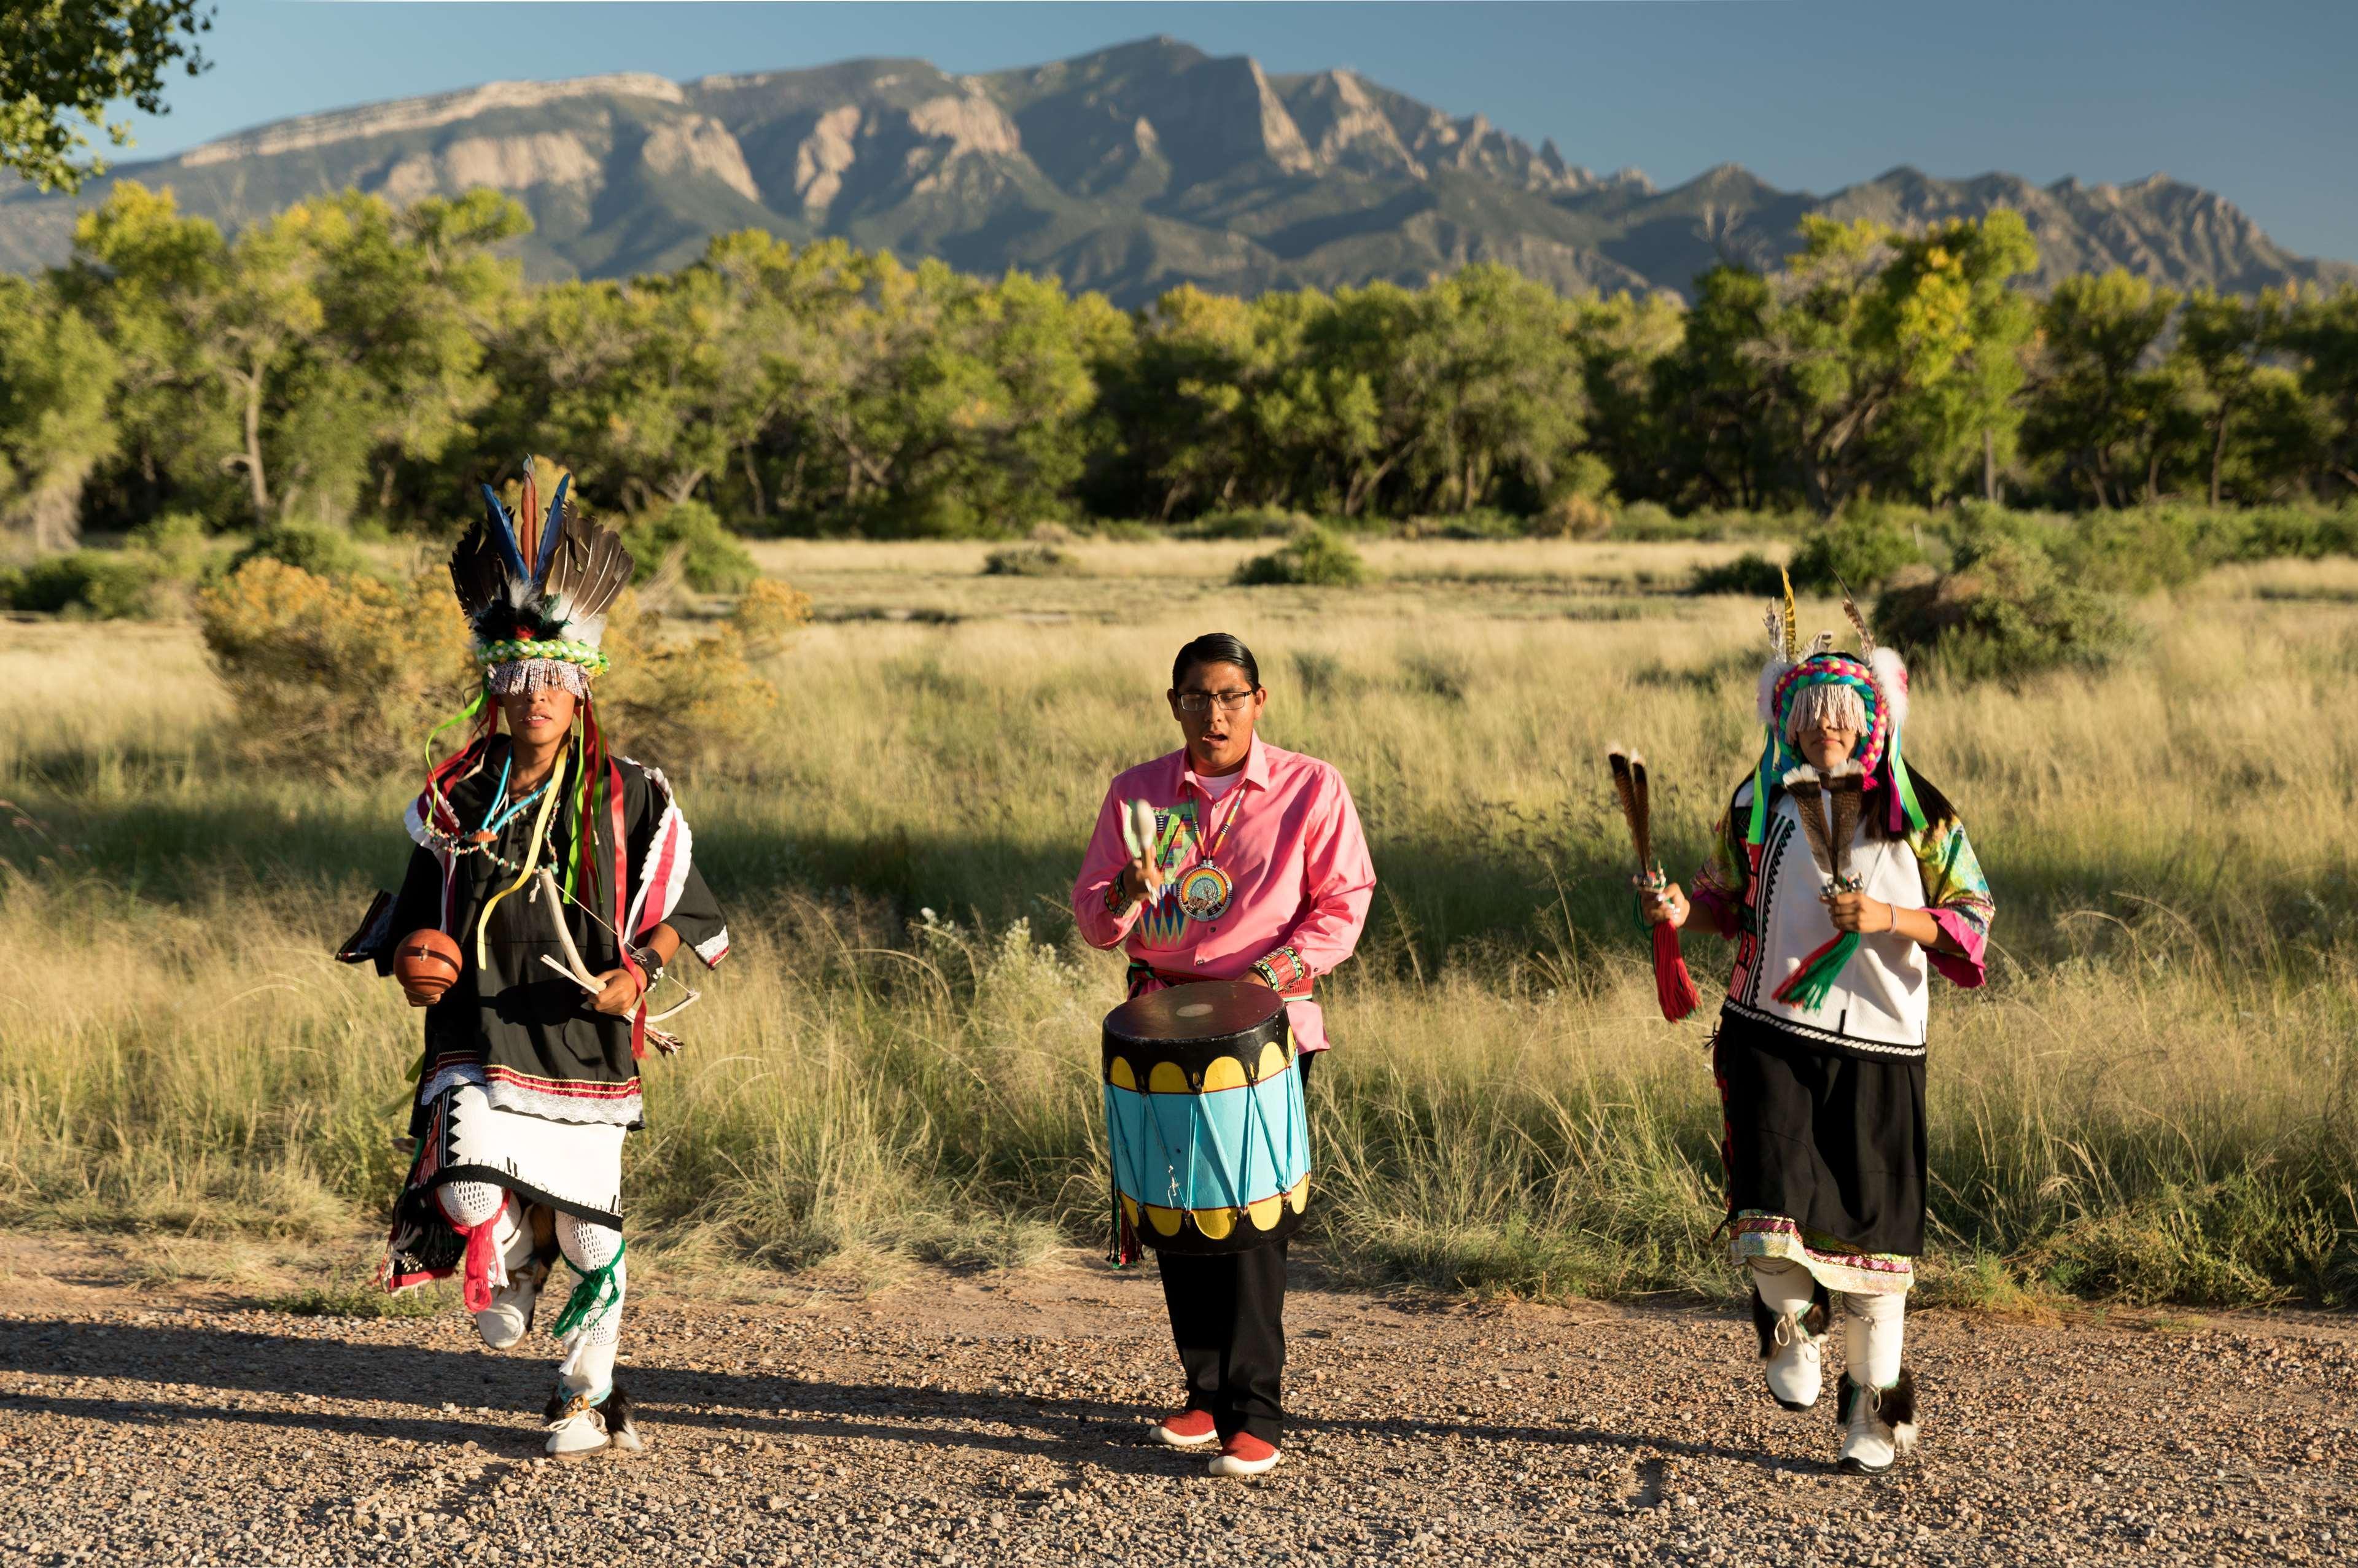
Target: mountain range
pixel 1130 171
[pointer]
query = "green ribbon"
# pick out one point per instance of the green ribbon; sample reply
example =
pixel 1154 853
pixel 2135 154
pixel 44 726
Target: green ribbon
pixel 595 1291
pixel 1808 989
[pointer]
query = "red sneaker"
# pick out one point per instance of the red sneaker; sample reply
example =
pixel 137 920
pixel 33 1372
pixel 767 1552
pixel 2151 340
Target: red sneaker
pixel 1245 1455
pixel 1188 1428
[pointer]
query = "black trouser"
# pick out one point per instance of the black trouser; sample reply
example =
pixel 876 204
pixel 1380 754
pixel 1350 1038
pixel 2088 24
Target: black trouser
pixel 1227 1315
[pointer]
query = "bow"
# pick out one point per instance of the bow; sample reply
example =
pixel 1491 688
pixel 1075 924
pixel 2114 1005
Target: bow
pixel 573 969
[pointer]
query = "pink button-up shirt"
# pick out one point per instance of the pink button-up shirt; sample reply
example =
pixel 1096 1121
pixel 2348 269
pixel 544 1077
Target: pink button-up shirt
pixel 1296 855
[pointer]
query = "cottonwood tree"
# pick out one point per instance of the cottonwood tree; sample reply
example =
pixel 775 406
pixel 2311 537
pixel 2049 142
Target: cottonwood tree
pixel 1498 385
pixel 63 62
pixel 1715 401
pixel 1890 355
pixel 2100 403
pixel 2321 331
pixel 57 374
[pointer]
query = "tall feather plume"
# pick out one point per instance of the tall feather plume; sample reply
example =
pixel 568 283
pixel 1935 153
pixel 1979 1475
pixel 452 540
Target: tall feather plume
pixel 558 581
pixel 1891 680
pixel 527 514
pixel 1809 799
pixel 587 569
pixel 486 570
pixel 1791 628
pixel 1858 623
pixel 1624 785
pixel 1645 814
pixel 1845 785
pixel 551 527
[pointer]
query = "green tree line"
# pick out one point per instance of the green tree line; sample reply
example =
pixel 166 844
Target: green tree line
pixel 348 362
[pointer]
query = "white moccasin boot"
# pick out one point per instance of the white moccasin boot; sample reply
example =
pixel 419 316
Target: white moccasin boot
pixel 1878 1424
pixel 589 1410
pixel 1790 1312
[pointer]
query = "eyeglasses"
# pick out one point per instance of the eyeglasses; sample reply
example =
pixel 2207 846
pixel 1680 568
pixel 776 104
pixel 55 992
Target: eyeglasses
pixel 1201 701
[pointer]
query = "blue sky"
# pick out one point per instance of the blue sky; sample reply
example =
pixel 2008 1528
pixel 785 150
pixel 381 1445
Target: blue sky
pixel 2247 97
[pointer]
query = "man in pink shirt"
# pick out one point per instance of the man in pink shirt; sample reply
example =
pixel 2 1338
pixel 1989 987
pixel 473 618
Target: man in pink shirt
pixel 1281 828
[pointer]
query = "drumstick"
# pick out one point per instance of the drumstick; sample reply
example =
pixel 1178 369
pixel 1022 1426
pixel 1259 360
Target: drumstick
pixel 1138 835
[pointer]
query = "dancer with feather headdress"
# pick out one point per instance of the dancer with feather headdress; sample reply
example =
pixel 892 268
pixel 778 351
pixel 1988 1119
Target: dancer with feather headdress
pixel 552 883
pixel 1845 881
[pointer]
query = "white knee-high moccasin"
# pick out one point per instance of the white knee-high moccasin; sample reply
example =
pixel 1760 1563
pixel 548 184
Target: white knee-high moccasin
pixel 1878 1424
pixel 1791 1313
pixel 589 1410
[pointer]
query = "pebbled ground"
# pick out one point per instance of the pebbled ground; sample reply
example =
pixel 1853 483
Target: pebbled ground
pixel 1000 1419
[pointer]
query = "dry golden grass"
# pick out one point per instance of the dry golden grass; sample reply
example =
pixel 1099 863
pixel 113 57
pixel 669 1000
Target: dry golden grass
pixel 2151 1100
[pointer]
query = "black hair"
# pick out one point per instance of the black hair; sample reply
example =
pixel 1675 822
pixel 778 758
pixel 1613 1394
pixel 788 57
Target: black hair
pixel 1214 648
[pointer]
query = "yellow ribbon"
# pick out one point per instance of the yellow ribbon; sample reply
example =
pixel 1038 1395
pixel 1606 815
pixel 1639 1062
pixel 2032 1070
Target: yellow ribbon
pixel 532 856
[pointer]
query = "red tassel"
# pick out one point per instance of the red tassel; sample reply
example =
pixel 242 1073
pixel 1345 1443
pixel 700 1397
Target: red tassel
pixel 1674 987
pixel 482 1253
pixel 1789 991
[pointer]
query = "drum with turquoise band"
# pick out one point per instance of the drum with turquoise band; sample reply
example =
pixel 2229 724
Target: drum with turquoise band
pixel 1205 1118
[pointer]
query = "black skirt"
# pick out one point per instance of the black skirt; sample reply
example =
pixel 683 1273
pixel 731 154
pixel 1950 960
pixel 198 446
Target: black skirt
pixel 1833 1140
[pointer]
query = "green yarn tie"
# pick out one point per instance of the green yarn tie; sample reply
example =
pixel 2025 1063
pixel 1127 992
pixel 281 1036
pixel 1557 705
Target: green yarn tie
pixel 592 1295
pixel 1811 984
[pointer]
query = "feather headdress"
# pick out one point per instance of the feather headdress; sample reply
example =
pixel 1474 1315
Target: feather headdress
pixel 536 585
pixel 1875 675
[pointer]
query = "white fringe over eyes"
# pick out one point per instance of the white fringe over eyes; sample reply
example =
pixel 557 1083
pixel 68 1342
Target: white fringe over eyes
pixel 1838 706
pixel 533 674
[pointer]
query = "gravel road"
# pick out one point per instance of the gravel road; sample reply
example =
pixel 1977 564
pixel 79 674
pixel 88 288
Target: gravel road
pixel 1000 1419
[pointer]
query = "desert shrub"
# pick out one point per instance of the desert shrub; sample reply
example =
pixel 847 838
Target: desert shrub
pixel 1128 531
pixel 1865 548
pixel 711 559
pixel 1573 516
pixel 1751 574
pixel 2271 533
pixel 1315 559
pixel 674 698
pixel 1247 523
pixel 2137 552
pixel 1030 560
pixel 308 548
pixel 180 542
pixel 344 675
pixel 768 616
pixel 2006 611
pixel 94 585
pixel 1649 520
pixel 1476 523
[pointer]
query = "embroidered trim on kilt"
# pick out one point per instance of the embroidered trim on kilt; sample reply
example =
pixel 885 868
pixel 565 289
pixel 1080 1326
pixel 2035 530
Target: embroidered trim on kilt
pixel 449 1077
pixel 1852 1042
pixel 1752 1234
pixel 564 1099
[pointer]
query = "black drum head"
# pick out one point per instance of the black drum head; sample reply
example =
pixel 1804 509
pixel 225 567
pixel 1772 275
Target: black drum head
pixel 1208 1010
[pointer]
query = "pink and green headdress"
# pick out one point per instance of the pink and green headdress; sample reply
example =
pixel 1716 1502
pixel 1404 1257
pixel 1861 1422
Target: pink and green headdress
pixel 1869 688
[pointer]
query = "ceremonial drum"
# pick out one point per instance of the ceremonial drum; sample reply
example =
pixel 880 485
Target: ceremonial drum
pixel 1205 1119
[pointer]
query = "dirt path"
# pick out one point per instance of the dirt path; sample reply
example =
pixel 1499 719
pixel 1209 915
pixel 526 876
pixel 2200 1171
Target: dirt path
pixel 998 1420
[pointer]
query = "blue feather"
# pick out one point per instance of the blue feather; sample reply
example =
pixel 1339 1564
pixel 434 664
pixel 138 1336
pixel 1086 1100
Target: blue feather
pixel 548 532
pixel 503 535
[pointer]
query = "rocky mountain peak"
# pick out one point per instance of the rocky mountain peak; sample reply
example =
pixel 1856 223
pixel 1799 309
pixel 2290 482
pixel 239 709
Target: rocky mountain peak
pixel 1130 168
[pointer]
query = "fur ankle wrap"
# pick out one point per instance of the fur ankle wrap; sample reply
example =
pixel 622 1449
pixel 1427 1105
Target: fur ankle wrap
pixel 1814 1322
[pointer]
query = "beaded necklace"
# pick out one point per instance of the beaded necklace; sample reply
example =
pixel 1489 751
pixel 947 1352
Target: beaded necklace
pixel 481 840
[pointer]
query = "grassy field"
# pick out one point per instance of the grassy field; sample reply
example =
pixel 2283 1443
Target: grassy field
pixel 2151 1100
